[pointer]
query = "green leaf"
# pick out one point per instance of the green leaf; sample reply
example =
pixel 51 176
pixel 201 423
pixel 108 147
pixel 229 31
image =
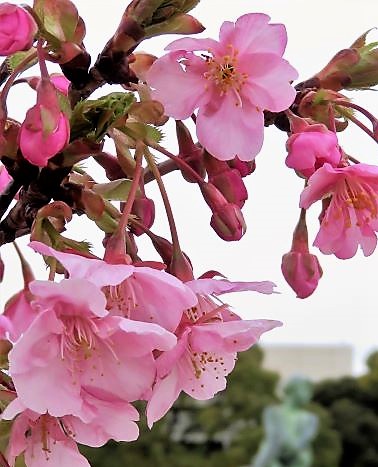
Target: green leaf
pixel 117 190
pixel 143 131
pixel 93 118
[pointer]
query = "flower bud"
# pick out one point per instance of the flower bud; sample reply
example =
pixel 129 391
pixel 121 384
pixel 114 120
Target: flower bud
pixel 302 272
pixel 144 209
pixel 231 185
pixel 299 267
pixel 17 29
pixel 318 104
pixel 312 147
pixel 46 129
pixel 180 267
pixel 352 68
pixel 228 222
pixel 60 82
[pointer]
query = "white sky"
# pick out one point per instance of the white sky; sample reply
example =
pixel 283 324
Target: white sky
pixel 343 310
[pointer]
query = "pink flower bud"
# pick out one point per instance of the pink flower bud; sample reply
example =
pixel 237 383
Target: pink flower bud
pixel 212 196
pixel 45 130
pixel 230 183
pixel 17 29
pixel 302 272
pixel 181 267
pixel 311 148
pixel 144 209
pixel 299 267
pixel 228 222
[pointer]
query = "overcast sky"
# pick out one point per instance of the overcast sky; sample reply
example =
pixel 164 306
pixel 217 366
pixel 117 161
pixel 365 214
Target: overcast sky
pixel 344 307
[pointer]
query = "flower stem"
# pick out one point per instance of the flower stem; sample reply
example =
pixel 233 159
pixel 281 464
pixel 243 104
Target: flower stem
pixel 5 91
pixel 179 162
pixel 133 189
pixel 163 192
pixel 368 115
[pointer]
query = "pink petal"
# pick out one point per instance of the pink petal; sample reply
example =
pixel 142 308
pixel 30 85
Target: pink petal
pixel 82 296
pixel 115 420
pixel 179 90
pixel 221 286
pixel 230 336
pixel 202 376
pixel 94 270
pixel 268 83
pixel 320 184
pixel 35 365
pixel 61 454
pixel 191 44
pixel 20 313
pixel 240 134
pixel 143 338
pixel 164 394
pixel 161 297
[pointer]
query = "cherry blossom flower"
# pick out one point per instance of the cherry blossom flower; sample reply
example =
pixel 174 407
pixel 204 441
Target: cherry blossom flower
pixel 312 147
pixel 209 337
pixel 237 78
pixel 144 294
pixel 17 29
pixel 39 434
pixel 351 218
pixel 74 341
pixel 44 441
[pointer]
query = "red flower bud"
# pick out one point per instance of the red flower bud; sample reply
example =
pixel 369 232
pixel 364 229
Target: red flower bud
pixel 228 222
pixel 144 209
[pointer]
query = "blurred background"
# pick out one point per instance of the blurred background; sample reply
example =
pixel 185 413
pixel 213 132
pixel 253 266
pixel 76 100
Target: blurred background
pixel 326 338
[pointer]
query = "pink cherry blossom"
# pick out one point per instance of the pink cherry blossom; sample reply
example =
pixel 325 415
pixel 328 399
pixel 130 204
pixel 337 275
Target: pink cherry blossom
pixel 311 148
pixel 17 29
pixel 144 294
pixel 209 337
pixel 237 78
pixel 351 217
pixel 74 341
pixel 44 440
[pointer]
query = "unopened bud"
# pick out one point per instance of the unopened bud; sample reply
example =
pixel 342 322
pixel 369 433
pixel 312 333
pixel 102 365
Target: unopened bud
pixel 144 209
pixel 228 222
pixel 352 68
pixel 230 183
pixel 317 105
pixel 180 267
pixel 299 267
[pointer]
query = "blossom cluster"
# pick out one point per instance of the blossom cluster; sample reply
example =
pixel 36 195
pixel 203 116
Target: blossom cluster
pixel 87 347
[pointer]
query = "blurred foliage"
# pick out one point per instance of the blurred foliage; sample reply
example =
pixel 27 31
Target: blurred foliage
pixel 352 405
